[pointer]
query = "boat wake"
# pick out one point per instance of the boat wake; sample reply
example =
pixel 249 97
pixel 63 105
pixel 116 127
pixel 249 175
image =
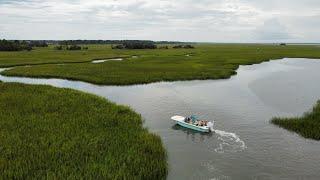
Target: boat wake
pixel 228 142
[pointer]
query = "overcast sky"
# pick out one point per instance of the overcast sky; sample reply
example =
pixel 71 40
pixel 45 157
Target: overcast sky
pixel 176 20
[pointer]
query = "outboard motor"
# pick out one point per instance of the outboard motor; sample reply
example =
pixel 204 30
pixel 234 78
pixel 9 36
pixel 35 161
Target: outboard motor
pixel 210 125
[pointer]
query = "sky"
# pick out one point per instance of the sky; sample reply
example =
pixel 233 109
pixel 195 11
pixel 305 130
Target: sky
pixel 173 20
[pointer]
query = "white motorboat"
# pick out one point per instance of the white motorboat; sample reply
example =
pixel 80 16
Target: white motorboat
pixel 193 123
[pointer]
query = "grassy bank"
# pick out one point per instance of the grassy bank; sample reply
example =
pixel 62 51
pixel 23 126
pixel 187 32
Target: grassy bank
pixel 206 61
pixel 50 55
pixel 307 126
pixel 51 133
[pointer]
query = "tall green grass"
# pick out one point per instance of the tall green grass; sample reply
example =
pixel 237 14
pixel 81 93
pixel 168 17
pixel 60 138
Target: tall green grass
pixel 206 61
pixel 51 133
pixel 307 126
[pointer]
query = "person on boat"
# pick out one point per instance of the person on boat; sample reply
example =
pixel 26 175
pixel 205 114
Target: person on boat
pixel 187 120
pixel 205 123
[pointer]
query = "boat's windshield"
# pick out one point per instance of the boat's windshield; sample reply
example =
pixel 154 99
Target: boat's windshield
pixel 194 118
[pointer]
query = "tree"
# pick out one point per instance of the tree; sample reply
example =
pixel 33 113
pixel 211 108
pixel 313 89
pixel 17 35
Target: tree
pixel 38 44
pixel 14 45
pixel 187 46
pixel 135 44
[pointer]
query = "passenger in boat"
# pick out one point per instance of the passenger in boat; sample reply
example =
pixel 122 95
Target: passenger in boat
pixel 205 123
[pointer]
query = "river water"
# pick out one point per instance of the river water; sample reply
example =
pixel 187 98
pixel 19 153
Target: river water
pixel 245 145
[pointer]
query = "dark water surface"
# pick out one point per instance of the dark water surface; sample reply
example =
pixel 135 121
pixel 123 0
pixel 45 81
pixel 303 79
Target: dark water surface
pixel 245 145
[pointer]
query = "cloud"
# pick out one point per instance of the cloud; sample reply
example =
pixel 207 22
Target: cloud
pixel 273 30
pixel 184 20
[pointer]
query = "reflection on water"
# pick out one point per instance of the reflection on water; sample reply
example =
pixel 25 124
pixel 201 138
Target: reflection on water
pixel 105 60
pixel 245 145
pixel 195 136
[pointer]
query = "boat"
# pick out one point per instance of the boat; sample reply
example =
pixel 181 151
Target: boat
pixel 194 123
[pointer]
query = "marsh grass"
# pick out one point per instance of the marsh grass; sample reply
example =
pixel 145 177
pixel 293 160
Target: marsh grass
pixel 208 61
pixel 52 133
pixel 307 126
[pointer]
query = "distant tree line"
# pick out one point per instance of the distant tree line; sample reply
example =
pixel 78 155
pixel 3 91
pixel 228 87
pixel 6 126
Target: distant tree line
pixel 73 47
pixel 15 45
pixel 69 42
pixel 147 45
pixel 38 43
pixel 187 46
pixel 135 45
pixel 70 46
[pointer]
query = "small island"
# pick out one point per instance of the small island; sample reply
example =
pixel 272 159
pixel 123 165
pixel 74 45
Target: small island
pixel 307 126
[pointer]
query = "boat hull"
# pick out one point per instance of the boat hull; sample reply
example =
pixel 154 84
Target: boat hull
pixel 196 128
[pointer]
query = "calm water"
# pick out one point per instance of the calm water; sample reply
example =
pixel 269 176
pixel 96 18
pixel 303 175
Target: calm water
pixel 245 145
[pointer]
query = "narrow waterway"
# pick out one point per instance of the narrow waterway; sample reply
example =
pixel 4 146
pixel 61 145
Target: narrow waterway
pixel 245 145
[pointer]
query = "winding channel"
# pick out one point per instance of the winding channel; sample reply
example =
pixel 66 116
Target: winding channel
pixel 245 145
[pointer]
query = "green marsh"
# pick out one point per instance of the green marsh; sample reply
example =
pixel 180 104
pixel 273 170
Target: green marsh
pixel 52 133
pixel 307 126
pixel 206 61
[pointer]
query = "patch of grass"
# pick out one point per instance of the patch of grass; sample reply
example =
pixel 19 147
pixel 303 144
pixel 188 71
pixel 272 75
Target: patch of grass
pixel 307 126
pixel 52 133
pixel 206 61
